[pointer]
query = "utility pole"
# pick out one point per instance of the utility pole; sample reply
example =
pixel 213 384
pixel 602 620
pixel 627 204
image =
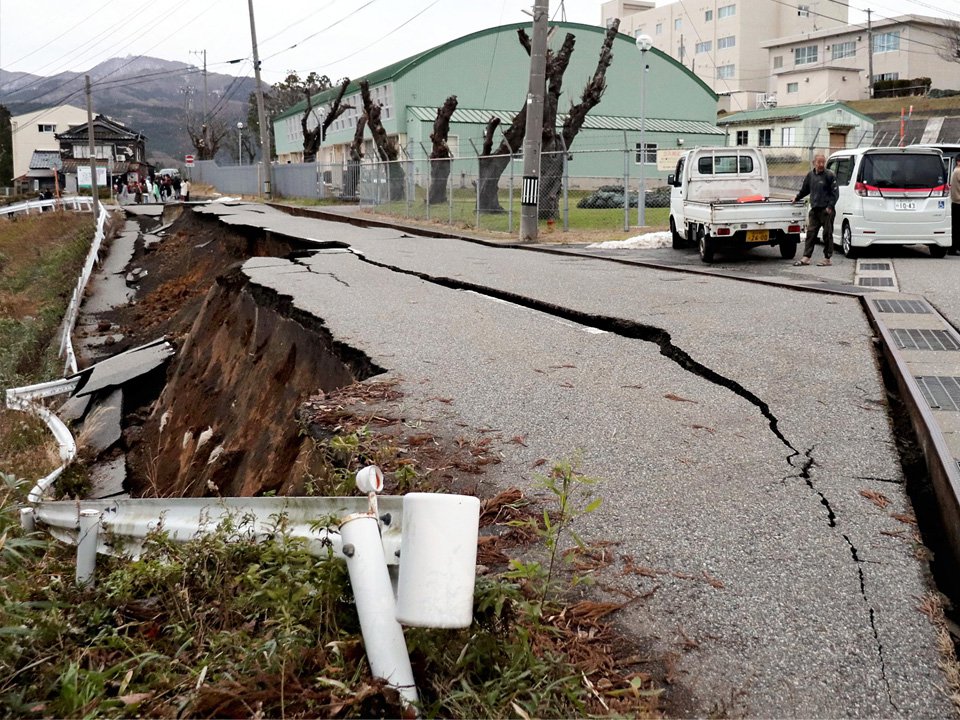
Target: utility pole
pixel 206 120
pixel 533 135
pixel 261 111
pixel 869 55
pixel 92 144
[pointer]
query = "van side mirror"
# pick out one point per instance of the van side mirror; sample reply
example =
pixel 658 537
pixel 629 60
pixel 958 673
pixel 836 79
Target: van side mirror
pixel 672 180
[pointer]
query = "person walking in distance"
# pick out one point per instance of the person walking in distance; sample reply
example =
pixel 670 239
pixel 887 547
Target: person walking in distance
pixel 821 185
pixel 955 207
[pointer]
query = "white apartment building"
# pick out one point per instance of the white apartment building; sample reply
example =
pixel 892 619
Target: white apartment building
pixel 832 64
pixel 721 40
pixel 36 131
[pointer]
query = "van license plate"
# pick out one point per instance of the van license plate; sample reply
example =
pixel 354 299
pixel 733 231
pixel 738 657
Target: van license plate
pixel 758 235
pixel 904 204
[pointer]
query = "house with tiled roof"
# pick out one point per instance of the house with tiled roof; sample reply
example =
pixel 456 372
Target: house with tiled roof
pixel 120 151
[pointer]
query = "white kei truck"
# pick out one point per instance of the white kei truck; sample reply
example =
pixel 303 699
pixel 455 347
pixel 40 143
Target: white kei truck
pixel 720 200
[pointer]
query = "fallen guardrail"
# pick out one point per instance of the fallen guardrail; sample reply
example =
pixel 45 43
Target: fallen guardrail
pixel 431 540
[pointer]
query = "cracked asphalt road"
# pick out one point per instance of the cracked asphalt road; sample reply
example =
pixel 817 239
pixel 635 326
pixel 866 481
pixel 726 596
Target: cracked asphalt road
pixel 734 426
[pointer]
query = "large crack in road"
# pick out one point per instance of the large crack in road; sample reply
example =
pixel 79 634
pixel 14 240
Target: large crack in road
pixel 658 336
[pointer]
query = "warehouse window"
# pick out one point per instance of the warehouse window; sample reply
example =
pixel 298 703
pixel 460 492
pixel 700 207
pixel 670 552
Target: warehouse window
pixel 650 154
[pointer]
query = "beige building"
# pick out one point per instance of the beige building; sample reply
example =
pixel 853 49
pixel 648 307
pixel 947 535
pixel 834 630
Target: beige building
pixel 829 65
pixel 721 40
pixel 37 131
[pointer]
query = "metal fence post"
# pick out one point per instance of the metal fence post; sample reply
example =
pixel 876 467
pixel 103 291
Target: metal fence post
pixel 426 197
pixel 510 189
pixel 626 184
pixel 566 183
pixel 450 194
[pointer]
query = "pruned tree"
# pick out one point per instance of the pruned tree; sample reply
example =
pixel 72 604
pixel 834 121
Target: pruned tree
pixel 206 138
pixel 387 148
pixel 949 49
pixel 493 163
pixel 440 155
pixel 313 139
pixel 351 180
pixel 281 96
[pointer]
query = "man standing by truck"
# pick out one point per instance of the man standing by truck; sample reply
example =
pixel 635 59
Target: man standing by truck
pixel 821 185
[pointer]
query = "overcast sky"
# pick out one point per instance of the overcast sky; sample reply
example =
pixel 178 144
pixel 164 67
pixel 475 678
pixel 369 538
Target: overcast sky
pixel 336 38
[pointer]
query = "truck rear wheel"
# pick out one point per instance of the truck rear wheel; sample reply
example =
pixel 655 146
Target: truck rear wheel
pixel 706 245
pixel 788 247
pixel 679 241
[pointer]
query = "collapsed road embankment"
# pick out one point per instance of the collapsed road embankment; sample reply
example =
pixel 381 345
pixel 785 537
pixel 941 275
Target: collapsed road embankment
pixel 750 552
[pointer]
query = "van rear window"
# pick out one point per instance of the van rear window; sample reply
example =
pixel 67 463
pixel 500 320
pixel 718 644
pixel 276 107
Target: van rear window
pixel 724 164
pixel 899 170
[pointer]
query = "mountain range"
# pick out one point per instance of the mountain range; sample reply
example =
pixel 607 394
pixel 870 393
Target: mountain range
pixel 147 94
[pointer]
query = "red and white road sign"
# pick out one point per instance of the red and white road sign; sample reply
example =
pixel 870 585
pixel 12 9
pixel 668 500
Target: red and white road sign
pixel 188 160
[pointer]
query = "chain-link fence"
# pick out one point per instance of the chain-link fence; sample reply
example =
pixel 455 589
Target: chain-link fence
pixel 581 190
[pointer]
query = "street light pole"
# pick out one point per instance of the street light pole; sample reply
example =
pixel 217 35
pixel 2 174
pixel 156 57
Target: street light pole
pixel 321 113
pixel 644 43
pixel 239 143
pixel 532 137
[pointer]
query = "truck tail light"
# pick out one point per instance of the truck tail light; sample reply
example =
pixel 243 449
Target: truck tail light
pixel 723 231
pixel 864 190
pixel 794 228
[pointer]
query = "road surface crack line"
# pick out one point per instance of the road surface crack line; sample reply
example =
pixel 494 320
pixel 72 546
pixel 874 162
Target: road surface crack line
pixel 873 624
pixel 624 328
pixel 649 333
pixel 297 261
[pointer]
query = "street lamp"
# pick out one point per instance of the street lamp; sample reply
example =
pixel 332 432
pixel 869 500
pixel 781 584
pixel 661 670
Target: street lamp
pixel 644 43
pixel 240 143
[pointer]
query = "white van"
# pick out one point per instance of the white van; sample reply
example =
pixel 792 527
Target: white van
pixel 891 196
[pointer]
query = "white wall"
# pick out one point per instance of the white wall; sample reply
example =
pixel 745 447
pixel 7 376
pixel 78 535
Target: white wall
pixel 27 136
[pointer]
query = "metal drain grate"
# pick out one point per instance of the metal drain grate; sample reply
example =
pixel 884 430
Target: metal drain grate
pixel 924 339
pixel 875 282
pixel 917 307
pixel 941 393
pixel 874 266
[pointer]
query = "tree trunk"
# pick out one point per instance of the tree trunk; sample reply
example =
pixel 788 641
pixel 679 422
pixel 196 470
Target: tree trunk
pixel 492 164
pixel 387 149
pixel 351 179
pixel 440 157
pixel 313 139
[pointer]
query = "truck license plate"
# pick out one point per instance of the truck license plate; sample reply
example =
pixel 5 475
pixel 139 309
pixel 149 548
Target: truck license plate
pixel 904 204
pixel 758 235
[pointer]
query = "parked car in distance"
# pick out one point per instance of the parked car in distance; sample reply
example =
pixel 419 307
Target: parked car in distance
pixel 891 196
pixel 172 172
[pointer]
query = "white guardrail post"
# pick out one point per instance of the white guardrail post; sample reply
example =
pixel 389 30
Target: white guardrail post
pixel 431 537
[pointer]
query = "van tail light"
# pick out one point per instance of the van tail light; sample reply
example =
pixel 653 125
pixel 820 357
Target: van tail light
pixel 794 228
pixel 940 191
pixel 723 231
pixel 864 190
